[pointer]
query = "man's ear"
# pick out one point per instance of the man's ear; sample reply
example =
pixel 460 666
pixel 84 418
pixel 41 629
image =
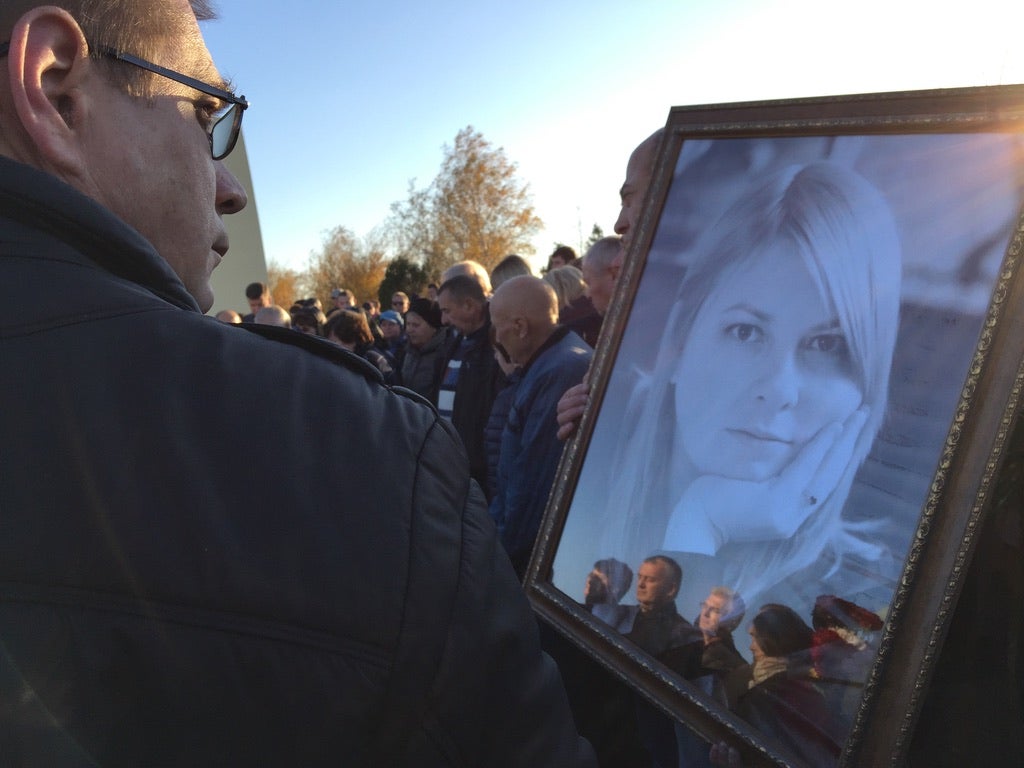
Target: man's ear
pixel 47 63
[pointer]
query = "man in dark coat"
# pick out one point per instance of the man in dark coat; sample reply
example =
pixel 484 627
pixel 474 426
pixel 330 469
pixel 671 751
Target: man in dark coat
pixel 658 629
pixel 657 626
pixel 167 598
pixel 524 313
pixel 470 378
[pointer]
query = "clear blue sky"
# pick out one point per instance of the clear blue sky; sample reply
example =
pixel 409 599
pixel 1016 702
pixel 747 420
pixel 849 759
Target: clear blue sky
pixel 352 100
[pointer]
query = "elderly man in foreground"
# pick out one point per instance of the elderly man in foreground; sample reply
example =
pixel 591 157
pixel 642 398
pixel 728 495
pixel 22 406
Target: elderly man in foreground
pixel 167 598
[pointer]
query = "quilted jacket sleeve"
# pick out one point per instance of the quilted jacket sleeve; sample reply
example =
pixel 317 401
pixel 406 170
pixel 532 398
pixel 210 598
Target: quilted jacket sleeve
pixel 493 697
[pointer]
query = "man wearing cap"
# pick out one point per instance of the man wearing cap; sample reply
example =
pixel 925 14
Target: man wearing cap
pixel 164 601
pixel 424 353
pixel 393 339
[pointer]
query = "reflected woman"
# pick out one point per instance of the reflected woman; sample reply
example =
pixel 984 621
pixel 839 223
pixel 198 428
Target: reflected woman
pixel 779 697
pixel 769 385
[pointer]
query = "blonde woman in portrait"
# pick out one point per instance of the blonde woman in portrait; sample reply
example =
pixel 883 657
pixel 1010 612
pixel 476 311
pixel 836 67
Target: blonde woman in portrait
pixel 768 388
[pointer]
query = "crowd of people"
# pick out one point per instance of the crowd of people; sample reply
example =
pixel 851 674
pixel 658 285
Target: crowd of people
pixel 191 576
pixel 502 356
pixel 493 352
pixel 800 687
pixel 174 602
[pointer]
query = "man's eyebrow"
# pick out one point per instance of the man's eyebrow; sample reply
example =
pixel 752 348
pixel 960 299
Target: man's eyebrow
pixel 208 73
pixel 224 84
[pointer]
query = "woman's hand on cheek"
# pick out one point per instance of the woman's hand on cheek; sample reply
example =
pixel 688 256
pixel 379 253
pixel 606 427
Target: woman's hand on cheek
pixel 716 510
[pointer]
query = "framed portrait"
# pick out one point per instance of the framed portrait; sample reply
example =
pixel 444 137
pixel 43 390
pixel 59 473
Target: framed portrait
pixel 798 406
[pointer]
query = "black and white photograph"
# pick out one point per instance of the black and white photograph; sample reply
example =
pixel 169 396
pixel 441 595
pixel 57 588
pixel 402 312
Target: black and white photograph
pixel 795 351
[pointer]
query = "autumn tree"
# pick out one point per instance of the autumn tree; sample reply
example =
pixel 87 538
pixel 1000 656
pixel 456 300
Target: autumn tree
pixel 284 284
pixel 346 261
pixel 476 208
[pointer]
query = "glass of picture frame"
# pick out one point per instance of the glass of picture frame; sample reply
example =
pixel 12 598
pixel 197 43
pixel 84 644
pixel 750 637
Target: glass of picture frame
pixel 798 403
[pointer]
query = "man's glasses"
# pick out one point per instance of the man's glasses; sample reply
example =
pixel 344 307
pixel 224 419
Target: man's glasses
pixel 225 123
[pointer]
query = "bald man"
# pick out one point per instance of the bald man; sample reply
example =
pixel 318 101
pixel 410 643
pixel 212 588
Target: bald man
pixel 229 316
pixel 273 315
pixel 639 171
pixel 524 313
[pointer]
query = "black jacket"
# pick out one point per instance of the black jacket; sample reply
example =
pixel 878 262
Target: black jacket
pixel 480 380
pixel 422 368
pixel 195 571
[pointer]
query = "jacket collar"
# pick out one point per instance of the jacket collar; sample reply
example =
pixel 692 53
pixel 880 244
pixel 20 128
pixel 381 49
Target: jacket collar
pixel 559 333
pixel 43 202
pixel 437 340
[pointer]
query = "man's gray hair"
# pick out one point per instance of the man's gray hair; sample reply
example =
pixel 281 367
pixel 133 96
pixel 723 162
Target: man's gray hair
pixel 603 252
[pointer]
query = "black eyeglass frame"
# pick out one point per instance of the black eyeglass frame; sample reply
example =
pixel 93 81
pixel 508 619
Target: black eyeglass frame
pixel 191 82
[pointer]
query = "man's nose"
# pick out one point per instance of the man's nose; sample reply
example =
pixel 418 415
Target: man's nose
pixel 621 225
pixel 231 196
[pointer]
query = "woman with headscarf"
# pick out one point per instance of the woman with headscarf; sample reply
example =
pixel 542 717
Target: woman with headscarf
pixel 424 353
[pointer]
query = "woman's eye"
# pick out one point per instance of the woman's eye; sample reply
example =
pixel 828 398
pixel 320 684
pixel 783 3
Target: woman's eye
pixel 744 332
pixel 828 343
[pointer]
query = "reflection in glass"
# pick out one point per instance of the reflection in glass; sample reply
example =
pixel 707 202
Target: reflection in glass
pixel 794 355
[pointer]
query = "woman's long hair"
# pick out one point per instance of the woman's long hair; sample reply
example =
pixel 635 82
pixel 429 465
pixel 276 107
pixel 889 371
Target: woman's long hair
pixel 844 232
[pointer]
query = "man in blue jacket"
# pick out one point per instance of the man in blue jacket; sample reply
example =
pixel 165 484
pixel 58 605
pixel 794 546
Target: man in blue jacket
pixel 524 313
pixel 166 599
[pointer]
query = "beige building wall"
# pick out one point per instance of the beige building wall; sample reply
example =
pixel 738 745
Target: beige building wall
pixel 245 261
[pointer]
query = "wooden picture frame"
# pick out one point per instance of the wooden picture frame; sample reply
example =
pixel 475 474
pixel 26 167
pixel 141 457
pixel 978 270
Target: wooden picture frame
pixel 802 392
